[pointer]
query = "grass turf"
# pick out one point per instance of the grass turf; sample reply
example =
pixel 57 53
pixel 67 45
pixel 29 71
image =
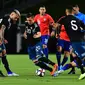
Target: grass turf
pixel 26 69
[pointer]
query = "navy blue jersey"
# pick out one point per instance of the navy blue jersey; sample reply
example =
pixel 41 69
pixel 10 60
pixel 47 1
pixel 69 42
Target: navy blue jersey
pixel 31 30
pixel 73 28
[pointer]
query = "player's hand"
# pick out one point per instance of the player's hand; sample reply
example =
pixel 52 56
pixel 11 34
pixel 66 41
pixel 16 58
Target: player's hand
pixel 25 36
pixel 5 41
pixel 55 25
pixel 52 33
pixel 35 36
pixel 57 36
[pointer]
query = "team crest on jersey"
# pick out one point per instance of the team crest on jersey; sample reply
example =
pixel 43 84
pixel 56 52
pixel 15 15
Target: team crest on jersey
pixel 44 19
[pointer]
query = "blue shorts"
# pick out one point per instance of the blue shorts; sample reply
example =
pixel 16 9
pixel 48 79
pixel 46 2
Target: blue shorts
pixel 44 39
pixel 35 51
pixel 79 48
pixel 66 45
pixel 2 47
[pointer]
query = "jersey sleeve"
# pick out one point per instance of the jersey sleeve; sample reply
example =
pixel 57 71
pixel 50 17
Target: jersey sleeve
pixel 50 19
pixel 61 20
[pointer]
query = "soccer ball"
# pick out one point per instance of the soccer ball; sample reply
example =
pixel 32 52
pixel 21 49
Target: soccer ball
pixel 40 72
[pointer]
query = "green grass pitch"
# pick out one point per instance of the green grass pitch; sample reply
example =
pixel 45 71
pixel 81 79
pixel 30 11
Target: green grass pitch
pixel 26 69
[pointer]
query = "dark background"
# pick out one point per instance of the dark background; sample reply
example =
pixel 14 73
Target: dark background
pixel 56 8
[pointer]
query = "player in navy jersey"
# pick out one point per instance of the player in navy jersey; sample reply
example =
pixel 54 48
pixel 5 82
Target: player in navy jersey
pixel 7 23
pixel 32 35
pixel 74 29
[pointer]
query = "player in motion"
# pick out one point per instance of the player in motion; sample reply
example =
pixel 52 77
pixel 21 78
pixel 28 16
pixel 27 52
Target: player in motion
pixel 6 24
pixel 44 20
pixel 33 36
pixel 74 27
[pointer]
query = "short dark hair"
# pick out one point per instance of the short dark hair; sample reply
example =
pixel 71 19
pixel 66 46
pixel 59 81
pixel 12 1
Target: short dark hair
pixel 29 15
pixel 75 5
pixel 69 8
pixel 42 6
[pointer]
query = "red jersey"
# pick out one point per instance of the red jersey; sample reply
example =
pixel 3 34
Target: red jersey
pixel 44 22
pixel 63 34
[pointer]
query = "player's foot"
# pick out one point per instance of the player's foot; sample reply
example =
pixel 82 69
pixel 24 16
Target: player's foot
pixel 54 69
pixel 12 74
pixel 58 72
pixel 1 74
pixel 72 72
pixel 82 76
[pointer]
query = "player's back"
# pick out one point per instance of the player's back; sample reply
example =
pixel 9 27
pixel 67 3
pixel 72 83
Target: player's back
pixel 73 28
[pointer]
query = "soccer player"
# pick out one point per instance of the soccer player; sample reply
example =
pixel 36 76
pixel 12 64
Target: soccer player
pixel 6 23
pixel 2 50
pixel 73 28
pixel 33 36
pixel 63 42
pixel 44 20
pixel 81 17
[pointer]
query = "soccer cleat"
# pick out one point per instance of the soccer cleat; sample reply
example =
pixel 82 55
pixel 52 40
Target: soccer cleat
pixel 82 76
pixel 54 69
pixel 58 72
pixel 12 74
pixel 1 74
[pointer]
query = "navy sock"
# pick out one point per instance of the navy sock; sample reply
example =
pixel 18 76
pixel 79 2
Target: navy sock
pixel 45 50
pixel 58 56
pixel 67 66
pixel 64 60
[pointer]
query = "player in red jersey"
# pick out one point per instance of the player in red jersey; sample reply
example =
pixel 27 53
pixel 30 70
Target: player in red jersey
pixel 44 20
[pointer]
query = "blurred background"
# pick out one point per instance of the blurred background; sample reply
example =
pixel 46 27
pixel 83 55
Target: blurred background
pixel 54 7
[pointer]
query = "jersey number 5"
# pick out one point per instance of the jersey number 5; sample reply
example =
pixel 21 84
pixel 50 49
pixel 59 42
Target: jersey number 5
pixel 73 25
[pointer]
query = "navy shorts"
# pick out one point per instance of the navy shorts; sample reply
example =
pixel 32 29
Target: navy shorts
pixel 79 48
pixel 66 45
pixel 2 47
pixel 44 39
pixel 35 51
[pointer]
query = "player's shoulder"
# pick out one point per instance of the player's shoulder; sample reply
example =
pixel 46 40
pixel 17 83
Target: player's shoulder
pixel 37 15
pixel 35 24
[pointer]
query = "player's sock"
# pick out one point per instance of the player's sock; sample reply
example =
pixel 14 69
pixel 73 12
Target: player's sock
pixel 43 65
pixel 45 51
pixel 58 56
pixel 67 66
pixel 64 60
pixel 80 65
pixel 44 59
pixel 6 65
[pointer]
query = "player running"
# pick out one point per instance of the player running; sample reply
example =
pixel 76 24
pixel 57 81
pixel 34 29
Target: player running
pixel 33 36
pixel 73 28
pixel 6 24
pixel 44 20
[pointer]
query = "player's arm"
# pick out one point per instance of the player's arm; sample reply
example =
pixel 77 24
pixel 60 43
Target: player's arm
pixel 25 35
pixel 37 33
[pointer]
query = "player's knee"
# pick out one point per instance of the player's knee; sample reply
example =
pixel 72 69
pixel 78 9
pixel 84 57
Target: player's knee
pixel 73 64
pixel 44 46
pixel 66 53
pixel 59 48
pixel 4 52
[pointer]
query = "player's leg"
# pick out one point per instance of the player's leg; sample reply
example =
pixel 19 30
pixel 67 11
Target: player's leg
pixel 59 45
pixel 72 55
pixel 45 39
pixel 5 62
pixel 67 47
pixel 80 51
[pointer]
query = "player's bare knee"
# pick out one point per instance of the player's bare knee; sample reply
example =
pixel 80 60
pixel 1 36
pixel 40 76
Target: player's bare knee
pixel 66 53
pixel 4 52
pixel 59 48
pixel 73 64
